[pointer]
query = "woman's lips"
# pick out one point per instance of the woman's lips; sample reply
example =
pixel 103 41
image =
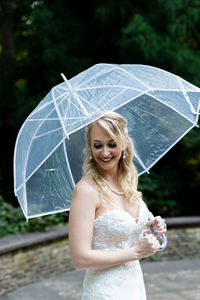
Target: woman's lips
pixel 106 159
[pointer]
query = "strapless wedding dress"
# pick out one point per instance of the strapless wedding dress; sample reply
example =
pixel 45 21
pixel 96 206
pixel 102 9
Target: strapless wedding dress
pixel 117 229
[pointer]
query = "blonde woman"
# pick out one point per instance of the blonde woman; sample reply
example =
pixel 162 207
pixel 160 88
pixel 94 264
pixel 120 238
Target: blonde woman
pixel 108 217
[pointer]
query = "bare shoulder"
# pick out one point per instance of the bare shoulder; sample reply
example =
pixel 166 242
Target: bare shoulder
pixel 84 203
pixel 85 186
pixel 85 190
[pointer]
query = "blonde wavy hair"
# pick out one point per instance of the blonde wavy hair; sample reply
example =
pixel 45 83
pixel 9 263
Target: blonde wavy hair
pixel 116 127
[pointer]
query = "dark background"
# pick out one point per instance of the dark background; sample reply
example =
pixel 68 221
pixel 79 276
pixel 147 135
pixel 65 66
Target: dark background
pixel 41 39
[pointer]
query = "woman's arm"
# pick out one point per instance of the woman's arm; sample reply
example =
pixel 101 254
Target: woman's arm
pixel 80 232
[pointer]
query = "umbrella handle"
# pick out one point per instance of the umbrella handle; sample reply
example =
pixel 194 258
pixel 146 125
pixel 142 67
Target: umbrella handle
pixel 161 237
pixel 163 244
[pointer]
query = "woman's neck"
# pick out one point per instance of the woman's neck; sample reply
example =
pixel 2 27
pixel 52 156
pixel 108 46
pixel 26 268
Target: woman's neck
pixel 111 177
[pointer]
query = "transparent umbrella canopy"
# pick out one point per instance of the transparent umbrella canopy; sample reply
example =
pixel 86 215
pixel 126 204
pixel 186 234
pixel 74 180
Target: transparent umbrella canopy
pixel 160 108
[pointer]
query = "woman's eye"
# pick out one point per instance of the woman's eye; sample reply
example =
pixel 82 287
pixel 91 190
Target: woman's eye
pixel 97 146
pixel 112 145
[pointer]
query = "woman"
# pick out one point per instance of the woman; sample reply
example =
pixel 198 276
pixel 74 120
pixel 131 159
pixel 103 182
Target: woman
pixel 108 218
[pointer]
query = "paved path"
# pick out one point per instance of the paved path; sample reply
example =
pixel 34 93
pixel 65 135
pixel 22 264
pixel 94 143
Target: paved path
pixel 170 280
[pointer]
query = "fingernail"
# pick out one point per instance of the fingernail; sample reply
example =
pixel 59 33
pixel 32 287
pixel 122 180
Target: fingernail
pixel 151 225
pixel 156 232
pixel 155 220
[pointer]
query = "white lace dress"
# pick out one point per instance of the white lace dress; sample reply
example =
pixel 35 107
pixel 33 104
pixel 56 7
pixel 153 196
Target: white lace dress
pixel 114 230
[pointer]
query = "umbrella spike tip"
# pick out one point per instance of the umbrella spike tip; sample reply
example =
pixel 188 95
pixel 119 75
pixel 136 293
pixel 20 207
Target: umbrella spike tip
pixel 63 76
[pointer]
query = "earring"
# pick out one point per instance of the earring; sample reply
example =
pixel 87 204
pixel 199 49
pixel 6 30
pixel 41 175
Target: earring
pixel 124 154
pixel 91 155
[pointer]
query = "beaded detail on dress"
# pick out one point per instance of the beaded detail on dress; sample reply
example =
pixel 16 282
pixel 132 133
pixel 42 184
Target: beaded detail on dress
pixel 116 229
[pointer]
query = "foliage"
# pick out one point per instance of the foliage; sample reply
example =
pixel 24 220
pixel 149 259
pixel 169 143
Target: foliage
pixel 159 192
pixel 41 39
pixel 12 220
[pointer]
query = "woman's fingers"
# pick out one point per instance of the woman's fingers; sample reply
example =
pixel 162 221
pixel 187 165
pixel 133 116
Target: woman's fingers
pixel 157 226
pixel 152 241
pixel 147 244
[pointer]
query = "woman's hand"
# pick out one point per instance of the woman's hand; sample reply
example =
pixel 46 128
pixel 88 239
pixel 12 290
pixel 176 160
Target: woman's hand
pixel 157 226
pixel 147 244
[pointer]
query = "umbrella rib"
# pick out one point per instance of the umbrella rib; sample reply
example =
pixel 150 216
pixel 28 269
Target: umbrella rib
pixel 107 93
pixel 68 104
pixel 108 86
pixel 186 96
pixel 53 119
pixel 26 159
pixel 131 75
pixel 175 90
pixel 59 115
pixel 26 179
pixel 74 94
pixel 60 87
pixel 68 165
pixel 46 133
pixel 46 214
pixel 78 108
pixel 81 75
pixel 28 147
pixel 78 121
pixel 48 103
pixel 96 75
pixel 111 99
pixel 168 105
pixel 140 161
pixel 177 140
pixel 123 102
pixel 90 104
pixel 81 105
pixel 197 116
pixel 115 108
pixel 102 100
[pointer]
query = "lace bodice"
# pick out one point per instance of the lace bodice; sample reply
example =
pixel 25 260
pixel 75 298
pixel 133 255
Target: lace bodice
pixel 117 229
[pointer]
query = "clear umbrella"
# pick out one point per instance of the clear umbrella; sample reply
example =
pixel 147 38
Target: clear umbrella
pixel 160 108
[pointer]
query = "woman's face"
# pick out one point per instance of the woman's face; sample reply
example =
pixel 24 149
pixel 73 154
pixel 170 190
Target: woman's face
pixel 104 149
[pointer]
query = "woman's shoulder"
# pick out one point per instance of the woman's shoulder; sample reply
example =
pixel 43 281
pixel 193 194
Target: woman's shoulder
pixel 84 198
pixel 85 187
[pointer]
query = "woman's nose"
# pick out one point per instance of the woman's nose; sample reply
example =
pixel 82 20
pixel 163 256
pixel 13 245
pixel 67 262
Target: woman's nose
pixel 105 151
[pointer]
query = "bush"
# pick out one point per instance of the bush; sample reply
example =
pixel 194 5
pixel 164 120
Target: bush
pixel 12 220
pixel 160 190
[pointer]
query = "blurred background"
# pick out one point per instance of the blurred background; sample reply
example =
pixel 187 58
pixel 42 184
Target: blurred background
pixel 41 39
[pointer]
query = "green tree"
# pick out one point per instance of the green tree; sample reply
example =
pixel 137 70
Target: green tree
pixel 41 39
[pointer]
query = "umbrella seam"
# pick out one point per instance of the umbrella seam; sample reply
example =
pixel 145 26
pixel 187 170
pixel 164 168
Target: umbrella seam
pixel 67 162
pixel 120 68
pixel 115 108
pixel 97 74
pixel 49 213
pixel 40 164
pixel 168 105
pixel 25 180
pixel 177 140
pixel 55 104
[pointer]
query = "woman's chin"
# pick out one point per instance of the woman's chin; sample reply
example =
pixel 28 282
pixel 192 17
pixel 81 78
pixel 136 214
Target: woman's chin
pixel 107 165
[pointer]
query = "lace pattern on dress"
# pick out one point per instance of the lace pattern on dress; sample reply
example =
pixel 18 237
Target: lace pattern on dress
pixel 116 229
